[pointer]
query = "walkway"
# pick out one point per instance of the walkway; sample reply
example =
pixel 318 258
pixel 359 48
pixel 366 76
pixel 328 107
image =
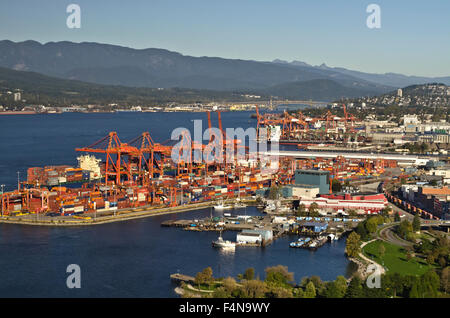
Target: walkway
pixel 380 269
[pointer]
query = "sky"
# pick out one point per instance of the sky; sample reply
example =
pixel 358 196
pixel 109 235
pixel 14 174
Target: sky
pixel 414 37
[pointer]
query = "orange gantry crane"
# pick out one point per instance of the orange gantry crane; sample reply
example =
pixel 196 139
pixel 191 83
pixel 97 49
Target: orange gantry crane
pixel 120 157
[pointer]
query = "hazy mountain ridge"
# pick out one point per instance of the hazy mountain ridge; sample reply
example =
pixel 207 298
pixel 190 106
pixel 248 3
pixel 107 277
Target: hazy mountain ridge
pixel 389 79
pixel 117 65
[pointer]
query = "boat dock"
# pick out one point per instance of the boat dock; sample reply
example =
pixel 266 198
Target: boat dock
pixel 260 231
pixel 182 278
pixel 223 224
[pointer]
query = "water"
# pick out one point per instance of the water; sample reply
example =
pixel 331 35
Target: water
pixel 125 259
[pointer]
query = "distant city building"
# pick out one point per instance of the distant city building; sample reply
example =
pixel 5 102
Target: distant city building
pixel 17 96
pixel 399 92
pixel 410 119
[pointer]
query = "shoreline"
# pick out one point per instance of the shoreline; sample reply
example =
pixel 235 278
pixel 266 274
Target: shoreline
pixel 119 217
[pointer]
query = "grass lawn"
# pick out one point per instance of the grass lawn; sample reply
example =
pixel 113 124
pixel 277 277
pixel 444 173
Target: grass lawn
pixel 395 259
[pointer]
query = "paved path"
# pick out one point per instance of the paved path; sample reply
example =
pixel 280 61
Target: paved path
pixel 380 269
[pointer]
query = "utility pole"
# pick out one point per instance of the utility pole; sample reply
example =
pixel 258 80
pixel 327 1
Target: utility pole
pixel 115 200
pixel 1 202
pixel 18 181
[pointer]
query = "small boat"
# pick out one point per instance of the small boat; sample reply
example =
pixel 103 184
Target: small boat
pixel 296 244
pixel 240 205
pixel 220 242
pixel 313 244
pixel 222 206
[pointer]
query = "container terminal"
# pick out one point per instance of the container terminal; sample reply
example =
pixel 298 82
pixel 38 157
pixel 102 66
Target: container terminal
pixel 130 178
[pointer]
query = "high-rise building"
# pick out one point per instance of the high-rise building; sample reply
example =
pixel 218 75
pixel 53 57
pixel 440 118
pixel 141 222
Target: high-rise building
pixel 399 92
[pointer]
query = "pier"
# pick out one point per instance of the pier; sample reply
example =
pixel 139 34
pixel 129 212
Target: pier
pixel 260 231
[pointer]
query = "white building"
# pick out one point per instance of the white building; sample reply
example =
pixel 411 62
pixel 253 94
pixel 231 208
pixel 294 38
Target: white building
pixel 17 96
pixel 399 92
pixel 410 119
pixel 248 237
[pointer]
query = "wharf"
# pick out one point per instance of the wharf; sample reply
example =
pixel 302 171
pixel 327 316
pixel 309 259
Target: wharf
pixel 207 225
pixel 182 278
pixel 103 218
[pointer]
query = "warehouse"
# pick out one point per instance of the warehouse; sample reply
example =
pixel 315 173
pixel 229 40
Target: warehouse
pixel 249 237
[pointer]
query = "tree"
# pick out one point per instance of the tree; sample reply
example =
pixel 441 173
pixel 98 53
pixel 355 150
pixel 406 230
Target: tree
pixel 313 209
pixel 249 273
pixel 445 279
pixel 352 212
pixel 371 225
pixel 341 286
pixel 254 289
pixel 310 291
pixel 404 229
pixel 204 277
pixel 414 293
pixel 353 245
pixel 395 283
pixel 382 250
pixel 274 192
pixel 317 282
pixel 336 185
pixel 397 217
pixel 280 292
pixel 332 290
pixel 416 223
pixel 431 258
pixel 301 210
pixel 354 289
pixel 361 230
pixel 430 283
pixel 278 275
pixel 229 285
pixel 221 293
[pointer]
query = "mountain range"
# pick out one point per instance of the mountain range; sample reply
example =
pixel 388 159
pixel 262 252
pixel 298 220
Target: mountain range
pixel 158 68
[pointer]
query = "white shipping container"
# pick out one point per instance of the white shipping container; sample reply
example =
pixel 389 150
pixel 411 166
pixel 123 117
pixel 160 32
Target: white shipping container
pixel 79 208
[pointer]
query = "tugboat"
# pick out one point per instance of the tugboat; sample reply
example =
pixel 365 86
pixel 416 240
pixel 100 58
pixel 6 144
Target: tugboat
pixel 220 242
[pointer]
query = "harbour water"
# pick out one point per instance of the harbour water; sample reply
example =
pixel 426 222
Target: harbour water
pixel 132 258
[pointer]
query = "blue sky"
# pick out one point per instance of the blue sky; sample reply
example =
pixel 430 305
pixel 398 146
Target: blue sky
pixel 414 38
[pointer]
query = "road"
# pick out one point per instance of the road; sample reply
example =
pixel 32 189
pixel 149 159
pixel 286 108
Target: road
pixel 386 234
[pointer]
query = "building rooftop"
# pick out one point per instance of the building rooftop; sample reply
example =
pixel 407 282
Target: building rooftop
pixel 315 224
pixel 312 171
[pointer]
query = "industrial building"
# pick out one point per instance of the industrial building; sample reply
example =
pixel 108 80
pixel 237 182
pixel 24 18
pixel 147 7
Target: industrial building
pixel 247 237
pixel 316 178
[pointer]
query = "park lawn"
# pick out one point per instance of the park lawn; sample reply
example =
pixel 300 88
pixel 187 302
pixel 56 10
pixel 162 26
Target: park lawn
pixel 395 259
